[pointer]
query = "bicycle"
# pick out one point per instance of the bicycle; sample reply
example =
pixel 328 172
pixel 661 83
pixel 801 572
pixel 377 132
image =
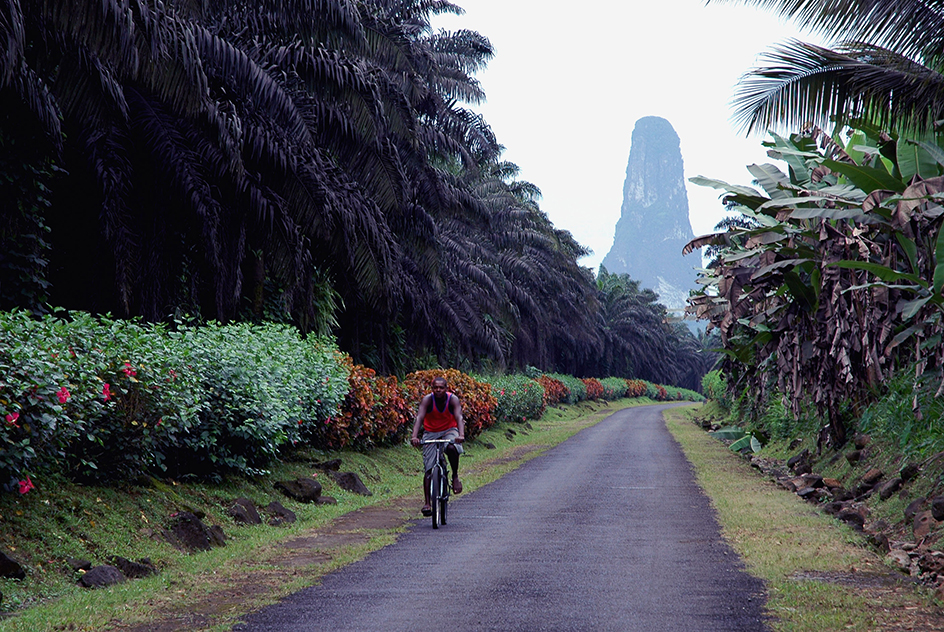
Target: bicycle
pixel 439 483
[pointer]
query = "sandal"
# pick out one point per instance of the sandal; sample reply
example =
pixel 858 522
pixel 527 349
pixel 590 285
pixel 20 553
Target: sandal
pixel 427 510
pixel 456 486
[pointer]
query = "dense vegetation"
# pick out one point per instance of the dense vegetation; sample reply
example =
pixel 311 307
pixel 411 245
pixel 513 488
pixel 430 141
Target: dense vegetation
pixel 107 401
pixel 826 286
pixel 305 162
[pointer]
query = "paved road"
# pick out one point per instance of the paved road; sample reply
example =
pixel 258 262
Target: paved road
pixel 607 531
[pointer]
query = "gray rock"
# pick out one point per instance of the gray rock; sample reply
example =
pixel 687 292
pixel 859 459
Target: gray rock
pixel 854 456
pixel 851 517
pixel 801 463
pixel 886 489
pixel 333 465
pixel 280 515
pixel 133 570
pixel 216 536
pixel 873 476
pixel 189 532
pixel 304 490
pixel 910 472
pixel 101 576
pixel 78 564
pixel 922 524
pixel 10 568
pixel 937 507
pixel 351 482
pixel 243 511
pixel 919 504
pixel 327 500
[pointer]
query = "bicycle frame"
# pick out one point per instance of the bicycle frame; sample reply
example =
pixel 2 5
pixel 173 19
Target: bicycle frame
pixel 439 482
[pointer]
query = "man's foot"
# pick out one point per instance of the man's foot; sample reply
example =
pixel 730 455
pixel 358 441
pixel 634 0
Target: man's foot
pixel 456 486
pixel 427 510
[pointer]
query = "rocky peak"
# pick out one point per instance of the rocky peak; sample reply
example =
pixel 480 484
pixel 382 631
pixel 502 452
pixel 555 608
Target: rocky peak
pixel 654 225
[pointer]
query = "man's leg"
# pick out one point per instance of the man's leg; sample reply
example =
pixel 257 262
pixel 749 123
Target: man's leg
pixel 427 484
pixel 453 455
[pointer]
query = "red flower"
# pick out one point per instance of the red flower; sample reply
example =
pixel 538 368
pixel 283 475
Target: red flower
pixel 63 395
pixel 26 485
pixel 129 370
pixel 11 419
pixel 106 391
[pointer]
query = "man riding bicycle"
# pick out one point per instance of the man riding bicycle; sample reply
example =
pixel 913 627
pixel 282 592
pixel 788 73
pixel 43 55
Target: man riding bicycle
pixel 440 416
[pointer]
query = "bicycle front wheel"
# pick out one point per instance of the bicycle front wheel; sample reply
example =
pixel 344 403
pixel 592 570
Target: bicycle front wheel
pixel 435 485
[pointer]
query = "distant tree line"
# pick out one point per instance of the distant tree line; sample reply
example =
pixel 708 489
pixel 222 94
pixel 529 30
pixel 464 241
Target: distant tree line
pixel 303 161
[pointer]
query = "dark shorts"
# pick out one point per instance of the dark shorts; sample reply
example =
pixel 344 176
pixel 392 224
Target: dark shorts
pixel 429 449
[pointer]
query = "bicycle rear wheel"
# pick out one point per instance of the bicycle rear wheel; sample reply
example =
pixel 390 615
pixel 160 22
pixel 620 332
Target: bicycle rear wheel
pixel 435 489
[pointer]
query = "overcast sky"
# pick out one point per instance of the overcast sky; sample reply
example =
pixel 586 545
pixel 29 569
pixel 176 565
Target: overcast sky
pixel 569 81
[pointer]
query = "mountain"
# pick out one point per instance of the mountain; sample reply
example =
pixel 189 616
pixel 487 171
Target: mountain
pixel 653 225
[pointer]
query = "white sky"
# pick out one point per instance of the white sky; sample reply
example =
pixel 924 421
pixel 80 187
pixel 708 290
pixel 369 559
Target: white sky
pixel 569 81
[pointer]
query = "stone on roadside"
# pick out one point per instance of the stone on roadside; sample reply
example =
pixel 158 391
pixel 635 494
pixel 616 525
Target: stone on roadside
pixel 101 576
pixel 10 568
pixel 304 490
pixel 351 482
pixel 243 511
pixel 937 507
pixel 888 488
pixel 133 570
pixel 899 559
pixel 909 472
pixel 800 463
pixel 873 476
pixel 922 525
pixel 189 532
pixel 916 505
pixel 280 514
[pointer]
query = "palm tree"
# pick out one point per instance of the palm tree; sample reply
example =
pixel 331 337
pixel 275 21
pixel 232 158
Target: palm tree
pixel 885 68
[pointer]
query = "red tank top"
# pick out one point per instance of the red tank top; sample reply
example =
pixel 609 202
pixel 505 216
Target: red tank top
pixel 438 420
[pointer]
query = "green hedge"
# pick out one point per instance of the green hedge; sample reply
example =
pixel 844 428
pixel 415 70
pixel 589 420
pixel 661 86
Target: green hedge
pixel 106 400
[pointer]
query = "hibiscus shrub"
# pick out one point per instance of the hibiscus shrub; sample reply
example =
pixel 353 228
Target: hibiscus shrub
pixel 518 398
pixel 478 402
pixel 555 391
pixel 107 400
pixel 594 388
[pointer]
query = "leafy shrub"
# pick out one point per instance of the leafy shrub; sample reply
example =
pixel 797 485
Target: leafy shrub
pixel 594 388
pixel 518 398
pixel 262 383
pixel 576 389
pixel 715 387
pixel 478 403
pixel 613 388
pixel 106 400
pixel 555 391
pixel 635 388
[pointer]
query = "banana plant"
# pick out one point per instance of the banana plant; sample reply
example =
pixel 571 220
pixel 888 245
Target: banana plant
pixel 836 268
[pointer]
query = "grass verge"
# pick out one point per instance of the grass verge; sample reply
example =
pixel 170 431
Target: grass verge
pixel 820 576
pixel 260 564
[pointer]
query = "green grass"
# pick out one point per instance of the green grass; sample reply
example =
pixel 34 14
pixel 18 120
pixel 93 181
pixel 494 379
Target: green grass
pixel 799 552
pixel 59 520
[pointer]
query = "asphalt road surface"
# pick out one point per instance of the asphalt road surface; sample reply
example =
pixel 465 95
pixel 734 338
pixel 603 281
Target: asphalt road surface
pixel 607 531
